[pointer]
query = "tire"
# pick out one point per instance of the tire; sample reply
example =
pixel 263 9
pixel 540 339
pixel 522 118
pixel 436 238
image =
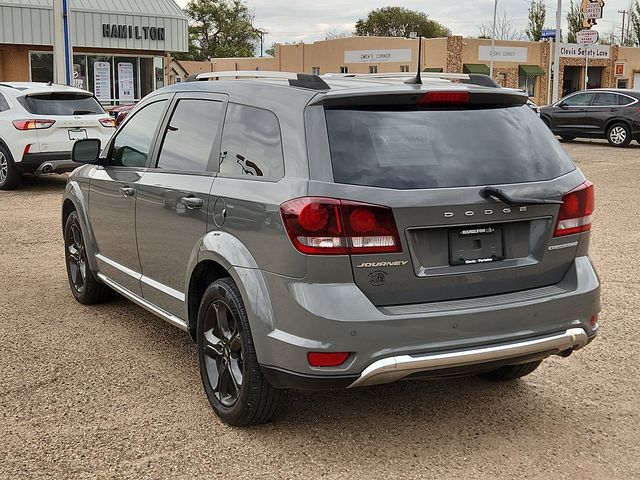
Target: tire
pixel 510 372
pixel 85 287
pixel 619 135
pixel 567 138
pixel 232 379
pixel 10 178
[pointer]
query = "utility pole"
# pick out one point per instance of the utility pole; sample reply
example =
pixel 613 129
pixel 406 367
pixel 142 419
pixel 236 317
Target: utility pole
pixel 624 17
pixel 556 64
pixel 493 36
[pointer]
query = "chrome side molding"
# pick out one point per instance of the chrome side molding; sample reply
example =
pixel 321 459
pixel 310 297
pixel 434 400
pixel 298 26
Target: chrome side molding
pixel 166 316
pixel 395 368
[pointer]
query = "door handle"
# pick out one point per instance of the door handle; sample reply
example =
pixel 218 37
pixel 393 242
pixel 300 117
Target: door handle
pixel 192 203
pixel 128 191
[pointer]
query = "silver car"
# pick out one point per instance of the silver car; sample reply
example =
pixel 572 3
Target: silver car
pixel 314 233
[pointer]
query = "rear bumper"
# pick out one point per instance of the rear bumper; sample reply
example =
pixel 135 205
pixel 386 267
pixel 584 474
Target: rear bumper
pixel 434 339
pixel 49 162
pixel 395 368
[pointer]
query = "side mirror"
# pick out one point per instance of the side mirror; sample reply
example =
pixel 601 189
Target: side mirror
pixel 563 106
pixel 86 151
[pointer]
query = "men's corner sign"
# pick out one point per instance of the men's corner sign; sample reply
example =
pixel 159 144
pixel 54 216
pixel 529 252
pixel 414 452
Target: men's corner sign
pixel 591 10
pixel 102 81
pixel 502 54
pixel 377 56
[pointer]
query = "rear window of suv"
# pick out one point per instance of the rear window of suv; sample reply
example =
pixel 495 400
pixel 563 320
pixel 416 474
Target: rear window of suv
pixel 62 104
pixel 442 148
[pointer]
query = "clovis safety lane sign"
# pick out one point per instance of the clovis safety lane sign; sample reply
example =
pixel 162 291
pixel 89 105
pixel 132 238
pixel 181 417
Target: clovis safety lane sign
pixel 587 37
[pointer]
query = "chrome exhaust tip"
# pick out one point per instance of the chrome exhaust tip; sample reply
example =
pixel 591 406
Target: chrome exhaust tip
pixel 47 168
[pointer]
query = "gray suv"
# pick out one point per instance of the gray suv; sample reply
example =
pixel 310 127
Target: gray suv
pixel 327 232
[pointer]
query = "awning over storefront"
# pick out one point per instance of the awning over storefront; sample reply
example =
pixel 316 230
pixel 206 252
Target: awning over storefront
pixel 530 71
pixel 479 68
pixel 433 70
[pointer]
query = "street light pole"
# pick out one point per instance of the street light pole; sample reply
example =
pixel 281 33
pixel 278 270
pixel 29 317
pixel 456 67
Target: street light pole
pixel 556 62
pixel 493 36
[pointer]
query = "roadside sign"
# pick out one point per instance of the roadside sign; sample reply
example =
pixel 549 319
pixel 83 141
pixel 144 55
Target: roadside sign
pixel 550 33
pixel 592 10
pixel 587 37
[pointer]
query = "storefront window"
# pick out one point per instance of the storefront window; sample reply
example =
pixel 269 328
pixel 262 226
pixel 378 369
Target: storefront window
pixel 80 72
pixel 126 79
pixel 158 63
pixel 146 76
pixel 101 77
pixel 528 84
pixel 41 67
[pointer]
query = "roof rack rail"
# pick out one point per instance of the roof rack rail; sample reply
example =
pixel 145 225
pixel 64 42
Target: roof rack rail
pixel 243 74
pixel 441 75
pixel 304 80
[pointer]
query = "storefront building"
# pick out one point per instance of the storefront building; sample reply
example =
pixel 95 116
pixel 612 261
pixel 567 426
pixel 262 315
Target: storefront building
pixel 517 64
pixel 118 45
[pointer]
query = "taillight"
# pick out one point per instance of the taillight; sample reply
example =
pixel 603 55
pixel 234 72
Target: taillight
pixel 444 98
pixel 326 226
pixel 108 122
pixel 576 210
pixel 327 359
pixel 33 124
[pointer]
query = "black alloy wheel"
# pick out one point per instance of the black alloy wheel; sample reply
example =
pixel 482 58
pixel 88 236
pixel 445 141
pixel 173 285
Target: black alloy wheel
pixel 231 375
pixel 224 359
pixel 76 257
pixel 84 286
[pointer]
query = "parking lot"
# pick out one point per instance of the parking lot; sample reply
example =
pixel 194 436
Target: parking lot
pixel 112 391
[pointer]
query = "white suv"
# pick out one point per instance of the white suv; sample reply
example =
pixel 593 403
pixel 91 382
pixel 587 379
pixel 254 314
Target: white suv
pixel 39 123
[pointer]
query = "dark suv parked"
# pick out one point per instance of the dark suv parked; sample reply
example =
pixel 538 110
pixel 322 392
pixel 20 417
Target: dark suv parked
pixel 613 114
pixel 318 234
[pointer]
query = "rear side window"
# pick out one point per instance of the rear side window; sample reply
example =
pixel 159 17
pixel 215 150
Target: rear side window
pixel 579 100
pixel 4 105
pixel 62 104
pixel 251 144
pixel 442 148
pixel 132 144
pixel 606 100
pixel 190 135
pixel 624 100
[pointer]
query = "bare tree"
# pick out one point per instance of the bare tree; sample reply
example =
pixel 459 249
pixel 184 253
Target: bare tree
pixel 504 29
pixel 335 34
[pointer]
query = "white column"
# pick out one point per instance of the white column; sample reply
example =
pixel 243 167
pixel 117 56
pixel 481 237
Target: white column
pixel 556 61
pixel 62 50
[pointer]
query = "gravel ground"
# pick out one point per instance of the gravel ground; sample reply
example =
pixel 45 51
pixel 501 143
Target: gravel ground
pixel 112 391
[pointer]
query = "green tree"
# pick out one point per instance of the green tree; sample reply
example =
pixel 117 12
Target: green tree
pixel 574 21
pixel 220 28
pixel 399 22
pixel 537 17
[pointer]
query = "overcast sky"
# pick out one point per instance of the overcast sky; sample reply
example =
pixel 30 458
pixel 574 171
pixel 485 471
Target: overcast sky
pixel 290 20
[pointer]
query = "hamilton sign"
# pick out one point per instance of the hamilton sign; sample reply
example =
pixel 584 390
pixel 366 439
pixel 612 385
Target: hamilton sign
pixel 132 31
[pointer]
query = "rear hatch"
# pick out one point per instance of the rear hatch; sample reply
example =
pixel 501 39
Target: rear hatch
pixel 432 164
pixel 72 116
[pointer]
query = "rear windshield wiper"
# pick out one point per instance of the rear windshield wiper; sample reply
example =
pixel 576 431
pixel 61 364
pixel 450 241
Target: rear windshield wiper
pixel 83 112
pixel 497 194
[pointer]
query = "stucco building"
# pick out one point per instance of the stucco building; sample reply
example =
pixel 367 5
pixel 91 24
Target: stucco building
pixel 517 64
